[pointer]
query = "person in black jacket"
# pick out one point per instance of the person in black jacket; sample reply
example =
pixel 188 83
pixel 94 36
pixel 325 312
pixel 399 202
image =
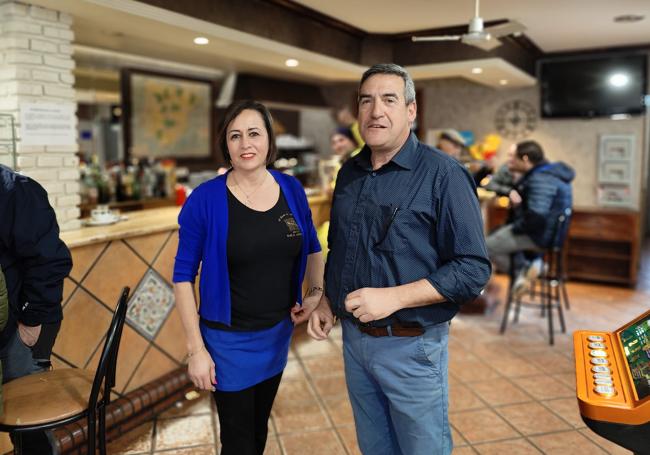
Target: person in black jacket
pixel 35 262
pixel 541 195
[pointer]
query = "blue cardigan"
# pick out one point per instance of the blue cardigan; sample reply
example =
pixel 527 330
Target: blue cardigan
pixel 203 238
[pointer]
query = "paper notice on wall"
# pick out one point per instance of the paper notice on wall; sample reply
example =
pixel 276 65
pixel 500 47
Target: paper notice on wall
pixel 48 124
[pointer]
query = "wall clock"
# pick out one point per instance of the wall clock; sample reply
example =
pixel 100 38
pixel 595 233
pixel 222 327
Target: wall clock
pixel 516 119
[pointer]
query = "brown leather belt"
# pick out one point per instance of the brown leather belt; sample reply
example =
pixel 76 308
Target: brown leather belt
pixel 396 330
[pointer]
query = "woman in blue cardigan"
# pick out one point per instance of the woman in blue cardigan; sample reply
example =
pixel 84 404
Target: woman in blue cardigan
pixel 252 233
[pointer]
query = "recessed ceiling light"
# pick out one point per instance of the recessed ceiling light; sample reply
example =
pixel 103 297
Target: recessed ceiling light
pixel 628 18
pixel 503 82
pixel 291 62
pixel 201 40
pixel 477 70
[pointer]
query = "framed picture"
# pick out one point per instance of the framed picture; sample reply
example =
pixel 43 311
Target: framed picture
pixel 616 147
pixel 615 172
pixel 168 116
pixel 615 196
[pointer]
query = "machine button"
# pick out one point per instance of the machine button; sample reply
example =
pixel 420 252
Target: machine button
pixel 598 353
pixel 602 375
pixel 605 390
pixel 595 338
pixel 600 369
pixel 603 381
pixel 599 361
pixel 597 345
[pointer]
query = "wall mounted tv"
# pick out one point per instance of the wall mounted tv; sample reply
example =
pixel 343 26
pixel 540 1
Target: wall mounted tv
pixel 593 85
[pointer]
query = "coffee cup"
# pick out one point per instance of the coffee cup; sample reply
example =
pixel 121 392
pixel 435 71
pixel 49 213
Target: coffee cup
pixel 102 213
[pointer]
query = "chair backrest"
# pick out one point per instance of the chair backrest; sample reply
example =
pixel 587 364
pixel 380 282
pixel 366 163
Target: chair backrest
pixel 561 228
pixel 105 374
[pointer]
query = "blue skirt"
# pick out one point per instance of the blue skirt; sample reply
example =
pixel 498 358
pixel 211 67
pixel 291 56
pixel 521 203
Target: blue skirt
pixel 243 359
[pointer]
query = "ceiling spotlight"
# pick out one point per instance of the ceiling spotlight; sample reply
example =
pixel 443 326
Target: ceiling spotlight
pixel 201 40
pixel 291 62
pixel 503 82
pixel 629 18
pixel 619 79
pixel 477 70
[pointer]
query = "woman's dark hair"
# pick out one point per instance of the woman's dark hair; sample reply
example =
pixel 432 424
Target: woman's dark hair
pixel 532 150
pixel 232 112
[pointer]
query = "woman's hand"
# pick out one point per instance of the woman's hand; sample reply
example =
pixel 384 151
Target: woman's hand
pixel 321 321
pixel 201 370
pixel 300 314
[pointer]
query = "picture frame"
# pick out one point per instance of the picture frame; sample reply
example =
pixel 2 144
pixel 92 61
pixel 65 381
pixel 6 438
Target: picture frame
pixel 168 116
pixel 615 172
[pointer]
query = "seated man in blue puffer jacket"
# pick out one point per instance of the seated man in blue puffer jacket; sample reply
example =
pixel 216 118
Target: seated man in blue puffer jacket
pixel 541 195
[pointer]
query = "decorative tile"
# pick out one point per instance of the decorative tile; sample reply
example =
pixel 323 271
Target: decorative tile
pixel 150 304
pixel 184 432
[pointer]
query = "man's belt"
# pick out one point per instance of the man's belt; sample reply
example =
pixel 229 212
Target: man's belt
pixel 397 329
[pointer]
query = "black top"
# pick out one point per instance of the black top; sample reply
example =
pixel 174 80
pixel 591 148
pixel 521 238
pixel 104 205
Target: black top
pixel 262 248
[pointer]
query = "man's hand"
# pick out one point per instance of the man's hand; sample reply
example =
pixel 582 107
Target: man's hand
pixel 300 314
pixel 29 335
pixel 370 304
pixel 515 198
pixel 321 320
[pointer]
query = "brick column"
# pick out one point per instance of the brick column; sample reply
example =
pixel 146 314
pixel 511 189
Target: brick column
pixel 36 66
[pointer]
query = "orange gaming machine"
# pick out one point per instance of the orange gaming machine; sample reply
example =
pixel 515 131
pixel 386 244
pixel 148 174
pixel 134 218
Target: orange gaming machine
pixel 613 383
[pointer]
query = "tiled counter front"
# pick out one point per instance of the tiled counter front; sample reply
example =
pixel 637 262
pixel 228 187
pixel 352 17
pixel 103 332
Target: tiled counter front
pixel 152 340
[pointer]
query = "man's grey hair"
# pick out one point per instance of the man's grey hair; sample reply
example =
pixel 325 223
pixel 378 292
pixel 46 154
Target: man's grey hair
pixel 392 68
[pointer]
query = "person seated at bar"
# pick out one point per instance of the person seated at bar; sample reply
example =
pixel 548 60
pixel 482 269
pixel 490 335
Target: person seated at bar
pixel 343 144
pixel 251 231
pixel 541 195
pixel 502 182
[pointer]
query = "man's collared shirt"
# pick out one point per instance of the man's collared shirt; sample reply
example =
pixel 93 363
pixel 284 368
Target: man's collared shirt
pixel 415 217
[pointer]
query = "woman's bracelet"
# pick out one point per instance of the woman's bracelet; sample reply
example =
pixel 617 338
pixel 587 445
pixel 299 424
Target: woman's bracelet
pixel 313 289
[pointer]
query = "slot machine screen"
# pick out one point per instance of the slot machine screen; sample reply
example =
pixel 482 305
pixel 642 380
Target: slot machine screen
pixel 635 340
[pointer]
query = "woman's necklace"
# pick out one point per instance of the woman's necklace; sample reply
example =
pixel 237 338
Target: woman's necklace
pixel 249 195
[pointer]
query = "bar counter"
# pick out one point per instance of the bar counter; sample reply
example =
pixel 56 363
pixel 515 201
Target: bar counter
pixel 139 253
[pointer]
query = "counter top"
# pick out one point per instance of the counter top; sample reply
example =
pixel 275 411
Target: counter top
pixel 138 223
pixel 144 222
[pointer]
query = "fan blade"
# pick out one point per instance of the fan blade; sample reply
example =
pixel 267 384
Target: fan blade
pixel 436 38
pixel 508 28
pixel 486 45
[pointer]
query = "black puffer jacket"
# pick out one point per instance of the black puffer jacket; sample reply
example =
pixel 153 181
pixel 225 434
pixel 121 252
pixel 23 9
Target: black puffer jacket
pixel 546 193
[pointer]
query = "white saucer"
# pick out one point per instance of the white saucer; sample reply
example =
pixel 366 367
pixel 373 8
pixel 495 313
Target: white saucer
pixel 104 222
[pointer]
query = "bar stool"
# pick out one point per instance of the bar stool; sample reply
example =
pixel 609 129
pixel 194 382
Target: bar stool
pixel 53 398
pixel 552 293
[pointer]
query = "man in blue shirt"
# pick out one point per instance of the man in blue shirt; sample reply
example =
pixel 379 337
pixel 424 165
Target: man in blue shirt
pixel 406 250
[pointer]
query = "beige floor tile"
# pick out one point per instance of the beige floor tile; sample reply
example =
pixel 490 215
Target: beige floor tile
pixel 515 367
pixel 194 450
pixel 482 426
pixel 349 437
pixel 184 432
pixel 457 439
pixel 513 446
pixel 553 362
pixel 136 441
pixel 202 405
pixel 568 409
pixel 568 443
pixel 500 392
pixel 466 450
pixel 339 410
pixel 468 371
pixel 609 446
pixel 293 371
pixel 461 398
pixel 532 418
pixel 299 416
pixel 272 447
pixel 328 386
pixel 294 391
pixel 324 365
pixel 544 387
pixel 317 442
pixel 309 347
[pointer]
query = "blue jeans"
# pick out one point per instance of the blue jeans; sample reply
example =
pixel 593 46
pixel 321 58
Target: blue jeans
pixel 398 391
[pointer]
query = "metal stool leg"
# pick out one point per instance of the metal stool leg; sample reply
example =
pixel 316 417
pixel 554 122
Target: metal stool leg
pixel 506 311
pixel 565 294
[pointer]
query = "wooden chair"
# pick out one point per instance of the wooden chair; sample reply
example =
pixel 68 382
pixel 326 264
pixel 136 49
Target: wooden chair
pixel 53 398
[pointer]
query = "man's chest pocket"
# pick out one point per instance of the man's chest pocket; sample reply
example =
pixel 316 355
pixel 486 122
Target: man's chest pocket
pixel 398 230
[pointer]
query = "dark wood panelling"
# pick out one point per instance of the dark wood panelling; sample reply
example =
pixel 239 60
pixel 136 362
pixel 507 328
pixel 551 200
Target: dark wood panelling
pixel 278 90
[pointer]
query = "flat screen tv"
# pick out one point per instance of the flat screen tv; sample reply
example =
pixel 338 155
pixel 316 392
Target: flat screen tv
pixel 593 86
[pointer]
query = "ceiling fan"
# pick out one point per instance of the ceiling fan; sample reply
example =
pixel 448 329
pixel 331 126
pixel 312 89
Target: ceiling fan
pixel 484 38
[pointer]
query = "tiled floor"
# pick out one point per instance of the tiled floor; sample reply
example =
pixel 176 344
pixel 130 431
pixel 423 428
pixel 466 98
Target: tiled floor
pixel 511 394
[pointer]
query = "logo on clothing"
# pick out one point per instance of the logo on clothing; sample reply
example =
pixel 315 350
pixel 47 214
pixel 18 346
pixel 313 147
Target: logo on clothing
pixel 290 222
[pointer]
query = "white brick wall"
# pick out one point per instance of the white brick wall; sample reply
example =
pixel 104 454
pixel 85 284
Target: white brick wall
pixel 36 65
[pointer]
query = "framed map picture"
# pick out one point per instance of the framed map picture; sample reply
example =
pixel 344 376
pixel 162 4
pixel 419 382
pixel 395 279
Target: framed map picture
pixel 168 116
